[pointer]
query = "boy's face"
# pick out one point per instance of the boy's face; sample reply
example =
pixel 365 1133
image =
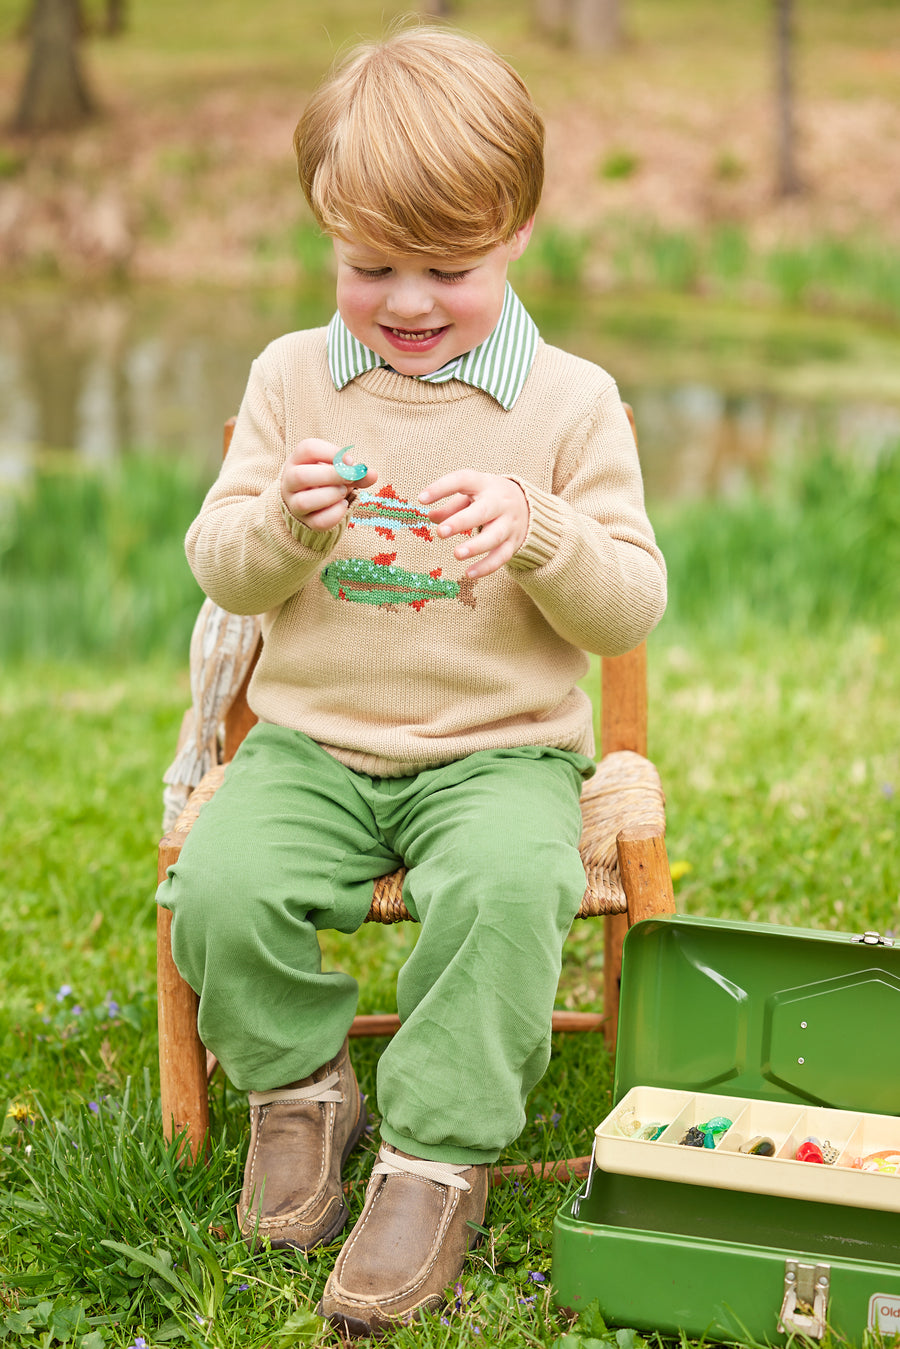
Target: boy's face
pixel 420 312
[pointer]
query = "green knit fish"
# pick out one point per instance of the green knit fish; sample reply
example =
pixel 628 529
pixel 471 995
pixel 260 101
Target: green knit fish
pixel 363 582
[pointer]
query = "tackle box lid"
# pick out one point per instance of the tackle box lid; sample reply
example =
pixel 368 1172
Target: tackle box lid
pixel 762 1011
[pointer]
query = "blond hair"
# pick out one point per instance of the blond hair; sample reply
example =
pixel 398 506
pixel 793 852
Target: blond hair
pixel 427 142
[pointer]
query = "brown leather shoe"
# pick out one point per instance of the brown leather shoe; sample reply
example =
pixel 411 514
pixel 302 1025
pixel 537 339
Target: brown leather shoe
pixel 300 1137
pixel 408 1245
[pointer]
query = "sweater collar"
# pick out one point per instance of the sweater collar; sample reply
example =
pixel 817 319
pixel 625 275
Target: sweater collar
pixel 499 365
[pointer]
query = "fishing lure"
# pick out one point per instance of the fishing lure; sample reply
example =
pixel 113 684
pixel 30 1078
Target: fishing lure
pixel 349 472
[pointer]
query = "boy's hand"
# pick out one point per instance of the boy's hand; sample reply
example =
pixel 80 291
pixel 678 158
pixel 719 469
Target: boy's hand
pixel 495 506
pixel 313 490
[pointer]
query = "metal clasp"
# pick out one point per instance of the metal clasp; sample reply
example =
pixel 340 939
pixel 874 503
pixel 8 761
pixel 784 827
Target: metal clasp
pixel 805 1305
pixel 873 939
pixel 586 1192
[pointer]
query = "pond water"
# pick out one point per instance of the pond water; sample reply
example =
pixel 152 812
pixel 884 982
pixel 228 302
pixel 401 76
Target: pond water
pixel 718 394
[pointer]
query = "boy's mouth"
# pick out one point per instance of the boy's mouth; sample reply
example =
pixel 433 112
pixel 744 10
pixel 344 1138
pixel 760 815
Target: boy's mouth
pixel 414 339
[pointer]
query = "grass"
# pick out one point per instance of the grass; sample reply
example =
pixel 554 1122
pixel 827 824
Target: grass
pixel 773 691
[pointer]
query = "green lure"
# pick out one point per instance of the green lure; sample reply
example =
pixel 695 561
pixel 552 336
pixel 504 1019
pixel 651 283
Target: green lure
pixel 349 472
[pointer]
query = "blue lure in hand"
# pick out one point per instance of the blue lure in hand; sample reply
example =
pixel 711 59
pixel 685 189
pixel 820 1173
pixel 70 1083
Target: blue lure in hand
pixel 349 472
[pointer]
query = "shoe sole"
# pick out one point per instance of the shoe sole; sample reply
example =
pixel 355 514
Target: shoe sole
pixel 354 1328
pixel 281 1244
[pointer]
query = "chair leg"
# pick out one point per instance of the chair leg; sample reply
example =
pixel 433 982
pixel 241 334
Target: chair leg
pixel 615 926
pixel 647 881
pixel 182 1057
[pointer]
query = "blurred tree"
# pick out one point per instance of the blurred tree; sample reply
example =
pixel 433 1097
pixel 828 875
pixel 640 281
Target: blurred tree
pixel 589 25
pixel 55 95
pixel 114 23
pixel 788 177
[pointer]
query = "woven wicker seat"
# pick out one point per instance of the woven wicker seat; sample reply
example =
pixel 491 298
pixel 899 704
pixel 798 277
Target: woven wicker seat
pixel 622 844
pixel 624 794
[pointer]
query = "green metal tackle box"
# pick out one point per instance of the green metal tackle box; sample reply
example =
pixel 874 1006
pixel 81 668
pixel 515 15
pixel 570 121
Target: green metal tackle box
pixel 771 1033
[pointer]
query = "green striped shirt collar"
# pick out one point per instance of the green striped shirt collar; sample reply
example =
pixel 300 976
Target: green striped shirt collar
pixel 499 365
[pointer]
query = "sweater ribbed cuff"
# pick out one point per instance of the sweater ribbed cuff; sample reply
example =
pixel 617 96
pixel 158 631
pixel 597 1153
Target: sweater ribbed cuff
pixel 317 540
pixel 546 526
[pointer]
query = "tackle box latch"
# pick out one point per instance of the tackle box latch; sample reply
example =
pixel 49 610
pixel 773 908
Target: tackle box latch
pixel 805 1305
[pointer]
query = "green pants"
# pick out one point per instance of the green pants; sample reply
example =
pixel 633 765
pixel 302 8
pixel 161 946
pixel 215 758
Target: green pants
pixel 291 843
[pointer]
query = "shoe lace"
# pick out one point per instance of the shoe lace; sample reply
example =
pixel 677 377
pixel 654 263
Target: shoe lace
pixel 392 1164
pixel 316 1091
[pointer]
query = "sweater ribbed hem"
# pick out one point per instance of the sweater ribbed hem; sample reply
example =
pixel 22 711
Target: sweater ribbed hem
pixel 580 741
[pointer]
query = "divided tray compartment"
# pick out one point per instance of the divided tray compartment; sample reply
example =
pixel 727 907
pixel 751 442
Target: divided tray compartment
pixel 854 1136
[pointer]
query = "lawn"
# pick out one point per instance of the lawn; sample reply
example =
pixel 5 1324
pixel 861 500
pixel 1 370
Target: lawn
pixel 773 723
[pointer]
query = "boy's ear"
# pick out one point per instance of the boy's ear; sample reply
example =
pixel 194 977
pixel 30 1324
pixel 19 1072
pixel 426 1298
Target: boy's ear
pixel 519 241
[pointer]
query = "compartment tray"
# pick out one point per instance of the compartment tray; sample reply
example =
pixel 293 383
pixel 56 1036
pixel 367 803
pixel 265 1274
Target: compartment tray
pixel 853 1135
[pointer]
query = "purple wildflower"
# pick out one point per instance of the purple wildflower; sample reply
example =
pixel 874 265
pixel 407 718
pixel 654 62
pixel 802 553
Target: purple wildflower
pixel 65 991
pixel 95 1106
pixel 535 1276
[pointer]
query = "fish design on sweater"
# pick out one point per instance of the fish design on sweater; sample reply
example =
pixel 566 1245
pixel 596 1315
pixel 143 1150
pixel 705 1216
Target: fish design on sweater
pixel 387 513
pixel 378 580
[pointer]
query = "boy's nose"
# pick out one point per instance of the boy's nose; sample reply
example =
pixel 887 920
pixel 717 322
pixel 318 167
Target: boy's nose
pixel 409 299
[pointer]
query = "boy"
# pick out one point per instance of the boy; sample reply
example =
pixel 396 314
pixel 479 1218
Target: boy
pixel 424 631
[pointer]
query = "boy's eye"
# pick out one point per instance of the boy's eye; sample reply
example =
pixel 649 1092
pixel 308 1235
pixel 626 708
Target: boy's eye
pixel 373 273
pixel 449 276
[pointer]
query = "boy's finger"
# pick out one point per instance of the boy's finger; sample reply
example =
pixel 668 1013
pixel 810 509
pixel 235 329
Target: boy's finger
pixel 492 562
pixel 313 451
pixel 326 519
pixel 465 482
pixel 310 499
pixel 306 474
pixel 459 502
pixel 493 535
pixel 473 516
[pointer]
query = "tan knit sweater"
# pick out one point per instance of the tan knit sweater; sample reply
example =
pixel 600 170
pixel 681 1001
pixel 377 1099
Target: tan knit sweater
pixel 375 644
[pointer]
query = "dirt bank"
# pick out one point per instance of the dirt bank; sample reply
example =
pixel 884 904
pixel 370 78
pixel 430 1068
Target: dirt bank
pixel 208 193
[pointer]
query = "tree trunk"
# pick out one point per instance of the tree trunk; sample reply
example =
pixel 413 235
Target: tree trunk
pixel 114 24
pixel 596 25
pixel 54 95
pixel 589 25
pixel 552 18
pixel 788 179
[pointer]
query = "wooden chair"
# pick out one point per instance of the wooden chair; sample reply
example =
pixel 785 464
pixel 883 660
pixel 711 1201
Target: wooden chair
pixel 622 847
